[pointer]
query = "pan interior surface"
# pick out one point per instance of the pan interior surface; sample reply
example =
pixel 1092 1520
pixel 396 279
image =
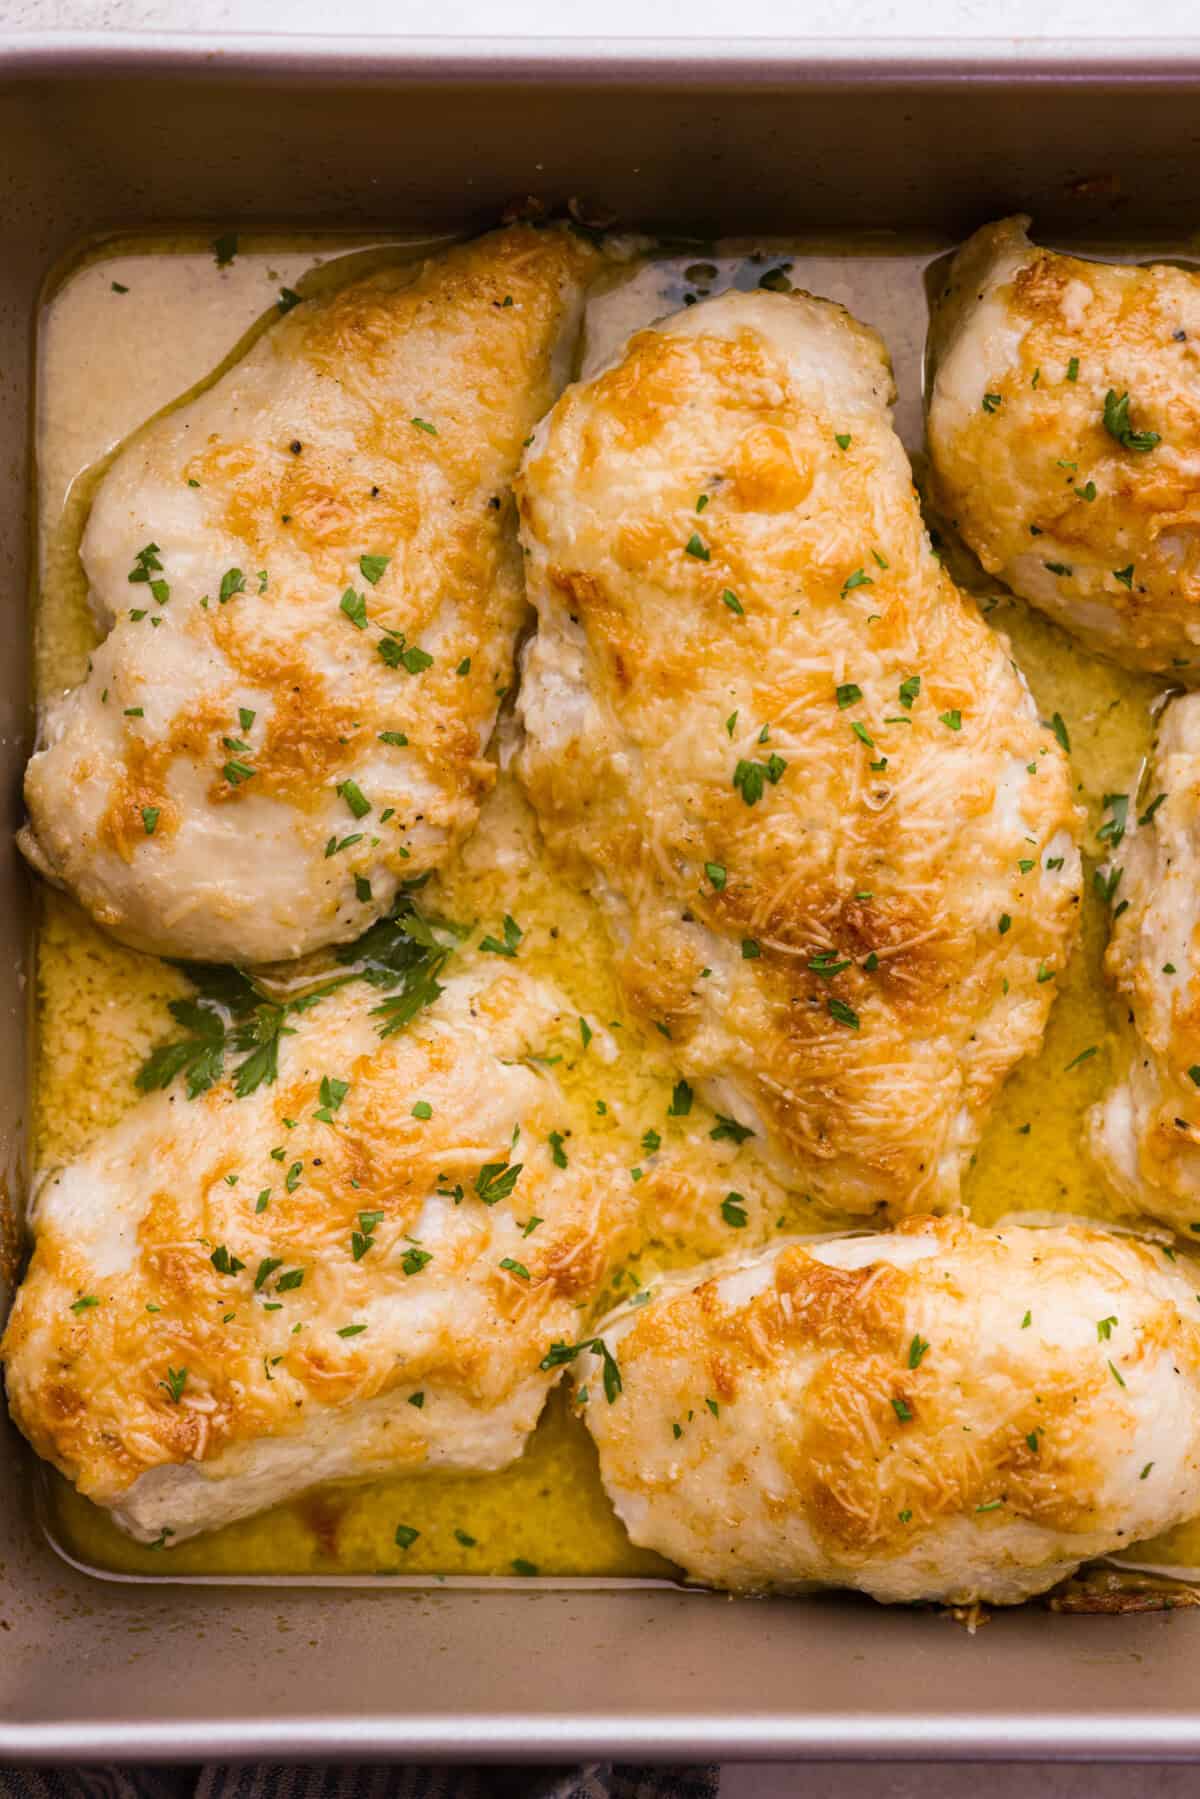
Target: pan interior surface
pixel 134 325
pixel 323 136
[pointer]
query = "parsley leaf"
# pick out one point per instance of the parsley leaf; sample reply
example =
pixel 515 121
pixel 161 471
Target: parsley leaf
pixel 1116 423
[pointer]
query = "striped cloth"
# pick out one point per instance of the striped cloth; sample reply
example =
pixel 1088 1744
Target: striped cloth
pixel 596 1780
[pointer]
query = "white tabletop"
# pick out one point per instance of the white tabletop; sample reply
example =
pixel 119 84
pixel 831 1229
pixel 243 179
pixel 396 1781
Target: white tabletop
pixel 630 18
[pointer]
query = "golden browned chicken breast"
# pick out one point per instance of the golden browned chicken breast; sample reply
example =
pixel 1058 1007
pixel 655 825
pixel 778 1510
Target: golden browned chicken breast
pixel 1064 429
pixel 940 1413
pixel 807 784
pixel 353 1270
pixel 312 583
pixel 1146 1130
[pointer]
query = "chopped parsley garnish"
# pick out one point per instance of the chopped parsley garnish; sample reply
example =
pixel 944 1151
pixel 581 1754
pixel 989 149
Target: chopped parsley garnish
pixel 1124 575
pixel 733 1210
pixel 354 605
pixel 734 604
pixel 424 425
pixel 331 1094
pixel 1152 808
pixel 843 439
pixel 1059 727
pixel 909 690
pixel 1104 1329
pixel 558 1154
pixel 174 1384
pixel 696 547
pixel 397 654
pixel 749 778
pixel 371 568
pixel 232 581
pixel 518 1268
pixel 413 1260
pixel 717 875
pixel 1085 1055
pixel 85 1302
pixel 1116 423
pixel 406 1536
pixel 952 720
pixel 560 1354
pixel 231 1014
pixel 422 1110
pixel 150 816
pixel 842 1013
pixel 1105 885
pixel 1113 828
pixel 728 1129
pixel 902 1410
pixel 991 402
pixel 496 1180
pixel 826 963
pixel 848 694
pixel 512 937
pixel 860 578
pixel 354 797
pixel 681 1101
pixel 917 1350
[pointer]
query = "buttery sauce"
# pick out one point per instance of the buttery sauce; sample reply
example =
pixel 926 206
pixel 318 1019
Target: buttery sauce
pixel 137 325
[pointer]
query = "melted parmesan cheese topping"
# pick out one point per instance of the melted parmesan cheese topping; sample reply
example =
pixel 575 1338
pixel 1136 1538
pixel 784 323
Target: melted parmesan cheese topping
pixel 1146 1132
pixel 943 1413
pixel 311 587
pixel 835 846
pixel 1086 508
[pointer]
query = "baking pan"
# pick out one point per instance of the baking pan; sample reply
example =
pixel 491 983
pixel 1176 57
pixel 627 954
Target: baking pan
pixel 100 135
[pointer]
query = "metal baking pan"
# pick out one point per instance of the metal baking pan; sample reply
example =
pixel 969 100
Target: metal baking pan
pixel 100 135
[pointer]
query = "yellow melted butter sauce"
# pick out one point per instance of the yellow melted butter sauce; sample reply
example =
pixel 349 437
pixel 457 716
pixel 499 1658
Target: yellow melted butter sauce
pixel 138 324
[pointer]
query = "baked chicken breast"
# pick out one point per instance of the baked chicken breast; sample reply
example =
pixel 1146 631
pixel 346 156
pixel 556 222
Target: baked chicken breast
pixel 942 1413
pixel 311 584
pixel 1146 1130
pixel 1064 431
pixel 835 846
pixel 353 1271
